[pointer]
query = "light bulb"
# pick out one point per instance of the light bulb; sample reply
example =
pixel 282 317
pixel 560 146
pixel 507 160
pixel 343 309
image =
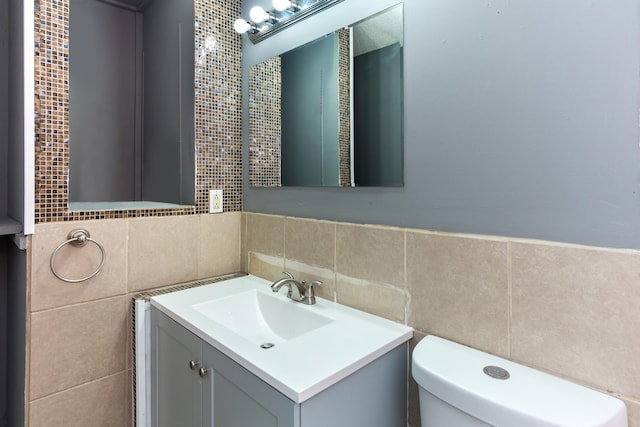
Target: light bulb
pixel 281 5
pixel 241 26
pixel 258 15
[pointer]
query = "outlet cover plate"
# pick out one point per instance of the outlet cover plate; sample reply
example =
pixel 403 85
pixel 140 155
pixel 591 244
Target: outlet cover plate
pixel 215 201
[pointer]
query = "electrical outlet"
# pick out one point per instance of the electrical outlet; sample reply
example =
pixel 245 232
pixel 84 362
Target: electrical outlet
pixel 215 201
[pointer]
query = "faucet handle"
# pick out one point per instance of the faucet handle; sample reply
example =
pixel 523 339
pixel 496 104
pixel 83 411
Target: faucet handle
pixel 313 283
pixel 309 295
pixel 289 275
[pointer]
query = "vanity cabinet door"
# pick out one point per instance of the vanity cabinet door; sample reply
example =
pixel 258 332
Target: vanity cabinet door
pixel 176 396
pixel 240 399
pixel 217 392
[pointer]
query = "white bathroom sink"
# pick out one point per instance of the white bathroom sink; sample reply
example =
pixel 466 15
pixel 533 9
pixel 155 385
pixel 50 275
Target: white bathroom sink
pixel 313 346
pixel 261 318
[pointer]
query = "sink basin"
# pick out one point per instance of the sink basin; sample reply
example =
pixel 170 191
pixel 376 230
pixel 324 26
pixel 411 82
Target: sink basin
pixel 261 318
pixel 315 346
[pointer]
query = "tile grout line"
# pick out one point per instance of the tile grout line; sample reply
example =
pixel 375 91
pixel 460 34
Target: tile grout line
pixel 509 300
pixel 284 242
pixel 126 257
pixel 406 280
pixel 335 261
pixel 78 386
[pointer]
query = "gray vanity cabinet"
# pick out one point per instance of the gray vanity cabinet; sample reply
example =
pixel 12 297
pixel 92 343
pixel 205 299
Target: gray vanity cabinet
pixel 193 384
pixel 239 398
pixel 219 392
pixel 178 390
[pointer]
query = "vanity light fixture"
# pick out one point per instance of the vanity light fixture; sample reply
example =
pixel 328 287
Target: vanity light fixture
pixel 259 15
pixel 265 23
pixel 241 26
pixel 282 5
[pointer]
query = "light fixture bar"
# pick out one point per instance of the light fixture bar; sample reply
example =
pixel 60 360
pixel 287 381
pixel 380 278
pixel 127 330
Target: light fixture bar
pixel 285 20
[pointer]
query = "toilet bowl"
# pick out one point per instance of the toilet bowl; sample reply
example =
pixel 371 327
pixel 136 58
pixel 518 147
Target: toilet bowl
pixel 463 387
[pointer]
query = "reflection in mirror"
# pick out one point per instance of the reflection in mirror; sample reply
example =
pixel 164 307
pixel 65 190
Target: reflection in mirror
pixel 329 113
pixel 131 93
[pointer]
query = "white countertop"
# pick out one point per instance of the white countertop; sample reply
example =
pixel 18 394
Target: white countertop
pixel 302 366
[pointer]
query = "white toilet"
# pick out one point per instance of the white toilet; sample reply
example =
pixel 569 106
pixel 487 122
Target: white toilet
pixel 463 387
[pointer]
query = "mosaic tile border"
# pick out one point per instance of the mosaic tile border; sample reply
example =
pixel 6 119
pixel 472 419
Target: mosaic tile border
pixel 344 86
pixel 265 126
pixel 218 122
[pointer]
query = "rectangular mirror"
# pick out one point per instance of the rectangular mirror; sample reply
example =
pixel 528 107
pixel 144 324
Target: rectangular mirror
pixel 329 113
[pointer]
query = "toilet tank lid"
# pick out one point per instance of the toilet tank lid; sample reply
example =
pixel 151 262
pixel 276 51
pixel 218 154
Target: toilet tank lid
pixel 454 373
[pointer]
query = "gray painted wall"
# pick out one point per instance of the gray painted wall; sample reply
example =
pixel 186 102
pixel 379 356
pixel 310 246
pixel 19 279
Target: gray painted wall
pixel 521 120
pixel 377 122
pixel 13 267
pixel 310 123
pixel 169 140
pixel 102 102
pixel 4 178
pixel 4 245
pixel 16 333
pixel 4 104
pixel 15 154
pixel 131 124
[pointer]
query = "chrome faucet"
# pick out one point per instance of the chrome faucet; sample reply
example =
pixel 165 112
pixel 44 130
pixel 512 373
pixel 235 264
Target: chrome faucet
pixel 306 294
pixel 309 297
pixel 290 282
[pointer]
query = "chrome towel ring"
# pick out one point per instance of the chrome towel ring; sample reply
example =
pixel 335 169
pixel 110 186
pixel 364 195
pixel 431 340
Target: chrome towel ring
pixel 77 238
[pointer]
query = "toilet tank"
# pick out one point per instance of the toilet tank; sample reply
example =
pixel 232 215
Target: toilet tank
pixel 457 391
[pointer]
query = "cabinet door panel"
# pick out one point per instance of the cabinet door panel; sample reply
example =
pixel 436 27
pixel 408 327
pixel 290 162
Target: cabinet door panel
pixel 177 389
pixel 373 396
pixel 240 399
pixel 233 407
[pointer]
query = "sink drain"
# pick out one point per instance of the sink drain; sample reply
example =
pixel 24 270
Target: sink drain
pixel 496 372
pixel 267 345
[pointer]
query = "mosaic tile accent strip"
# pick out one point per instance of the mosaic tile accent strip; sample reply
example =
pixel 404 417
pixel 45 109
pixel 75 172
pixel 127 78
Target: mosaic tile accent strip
pixel 218 122
pixel 219 105
pixel 264 124
pixel 344 86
